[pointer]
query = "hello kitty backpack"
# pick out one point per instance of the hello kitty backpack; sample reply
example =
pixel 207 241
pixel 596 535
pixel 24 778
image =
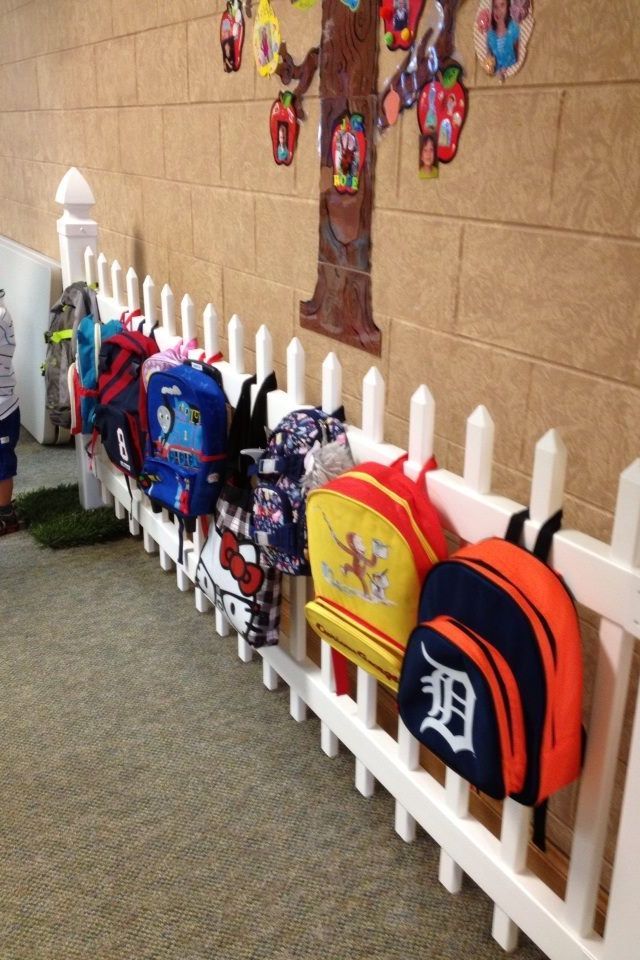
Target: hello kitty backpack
pixel 230 572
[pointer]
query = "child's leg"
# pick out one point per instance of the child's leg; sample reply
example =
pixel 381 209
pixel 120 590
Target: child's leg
pixel 9 433
pixel 6 492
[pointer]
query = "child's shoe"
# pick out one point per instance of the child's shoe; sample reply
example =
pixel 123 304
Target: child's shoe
pixel 9 522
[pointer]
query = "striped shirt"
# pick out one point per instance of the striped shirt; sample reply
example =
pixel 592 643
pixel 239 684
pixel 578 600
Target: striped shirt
pixel 8 396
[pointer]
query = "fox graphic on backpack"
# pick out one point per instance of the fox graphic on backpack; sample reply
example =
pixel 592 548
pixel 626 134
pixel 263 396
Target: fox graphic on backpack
pixel 492 678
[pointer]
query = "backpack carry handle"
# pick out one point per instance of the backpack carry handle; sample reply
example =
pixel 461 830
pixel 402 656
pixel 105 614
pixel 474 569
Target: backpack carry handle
pixel 546 533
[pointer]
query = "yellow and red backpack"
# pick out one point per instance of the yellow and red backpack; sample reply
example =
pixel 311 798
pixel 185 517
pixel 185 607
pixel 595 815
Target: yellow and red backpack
pixel 373 536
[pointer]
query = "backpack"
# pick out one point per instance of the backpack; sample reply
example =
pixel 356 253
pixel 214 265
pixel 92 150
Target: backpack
pixel 187 444
pixel 170 357
pixel 303 443
pixel 230 570
pixel 76 301
pixel 120 413
pixel 492 677
pixel 90 334
pixel 373 536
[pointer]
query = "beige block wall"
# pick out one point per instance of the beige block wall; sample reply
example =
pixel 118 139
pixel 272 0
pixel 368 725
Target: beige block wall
pixel 511 281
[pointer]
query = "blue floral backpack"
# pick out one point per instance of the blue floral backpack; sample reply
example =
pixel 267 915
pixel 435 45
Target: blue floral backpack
pixel 307 449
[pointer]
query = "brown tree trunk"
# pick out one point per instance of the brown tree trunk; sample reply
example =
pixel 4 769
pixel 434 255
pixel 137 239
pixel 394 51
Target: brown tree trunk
pixel 341 304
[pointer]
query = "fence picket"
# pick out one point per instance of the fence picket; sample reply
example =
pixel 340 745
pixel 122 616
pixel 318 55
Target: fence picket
pixel 188 319
pixel 133 290
pixel 210 321
pixel 117 285
pixel 331 383
pixel 547 491
pixel 331 401
pixel 605 726
pixel 167 303
pixel 373 394
pixel 264 355
pixel 478 460
pixel 421 428
pixel 236 344
pixel 409 755
pixel 149 300
pixel 90 267
pixel 295 372
pixel 103 275
pixel 203 604
pixel 367 700
pixel 422 414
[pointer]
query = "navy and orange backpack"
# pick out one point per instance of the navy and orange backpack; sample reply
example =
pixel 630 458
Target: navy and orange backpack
pixel 492 677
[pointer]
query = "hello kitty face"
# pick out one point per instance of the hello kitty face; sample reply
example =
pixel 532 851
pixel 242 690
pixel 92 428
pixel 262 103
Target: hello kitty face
pixel 237 578
pixel 237 611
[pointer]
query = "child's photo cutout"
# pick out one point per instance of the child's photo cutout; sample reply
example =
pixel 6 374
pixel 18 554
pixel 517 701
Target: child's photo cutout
pixel 501 33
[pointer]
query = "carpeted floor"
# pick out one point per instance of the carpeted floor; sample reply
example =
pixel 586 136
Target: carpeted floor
pixel 157 803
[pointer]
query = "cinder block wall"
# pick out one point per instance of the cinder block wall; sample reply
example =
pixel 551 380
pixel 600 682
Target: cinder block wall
pixel 512 281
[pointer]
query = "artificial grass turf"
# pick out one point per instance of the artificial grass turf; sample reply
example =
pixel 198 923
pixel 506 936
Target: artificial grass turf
pixel 55 518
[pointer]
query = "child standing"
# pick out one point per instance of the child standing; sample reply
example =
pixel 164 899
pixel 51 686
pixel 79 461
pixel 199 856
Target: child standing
pixel 9 422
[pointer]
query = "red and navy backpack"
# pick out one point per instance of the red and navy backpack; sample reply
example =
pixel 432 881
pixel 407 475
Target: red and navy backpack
pixel 492 677
pixel 120 418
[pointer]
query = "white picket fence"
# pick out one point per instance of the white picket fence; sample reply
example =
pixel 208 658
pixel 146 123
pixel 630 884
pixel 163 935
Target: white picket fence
pixel 605 578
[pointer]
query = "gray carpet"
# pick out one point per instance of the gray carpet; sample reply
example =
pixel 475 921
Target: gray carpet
pixel 157 803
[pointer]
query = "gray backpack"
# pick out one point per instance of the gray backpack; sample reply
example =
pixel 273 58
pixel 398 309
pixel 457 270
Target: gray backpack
pixel 77 301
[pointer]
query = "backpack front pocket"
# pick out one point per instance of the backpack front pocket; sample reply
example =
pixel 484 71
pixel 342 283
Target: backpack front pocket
pixel 460 699
pixel 169 484
pixel 273 529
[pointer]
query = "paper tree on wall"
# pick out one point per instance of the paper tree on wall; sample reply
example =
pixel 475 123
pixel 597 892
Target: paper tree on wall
pixel 352 115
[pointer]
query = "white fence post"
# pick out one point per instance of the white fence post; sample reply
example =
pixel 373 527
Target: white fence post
pixel 605 726
pixel 133 290
pixel 295 372
pixel 117 285
pixel 547 491
pixel 264 355
pixel 421 430
pixel 149 300
pixel 331 401
pixel 76 229
pixel 77 232
pixel 478 459
pixel 331 383
pixel 236 344
pixel 210 320
pixel 188 319
pixel 103 275
pixel 373 396
pixel 168 311
pixel 90 267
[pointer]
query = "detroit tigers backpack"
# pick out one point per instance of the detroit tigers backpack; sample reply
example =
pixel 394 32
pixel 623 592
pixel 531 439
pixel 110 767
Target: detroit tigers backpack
pixel 373 535
pixel 120 410
pixel 492 677
pixel 187 443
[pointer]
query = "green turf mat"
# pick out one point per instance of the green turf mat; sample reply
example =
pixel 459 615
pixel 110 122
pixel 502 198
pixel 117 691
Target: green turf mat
pixel 55 518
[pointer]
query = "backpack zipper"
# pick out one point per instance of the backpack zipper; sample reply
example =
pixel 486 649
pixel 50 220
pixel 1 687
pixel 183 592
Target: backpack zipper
pixel 482 564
